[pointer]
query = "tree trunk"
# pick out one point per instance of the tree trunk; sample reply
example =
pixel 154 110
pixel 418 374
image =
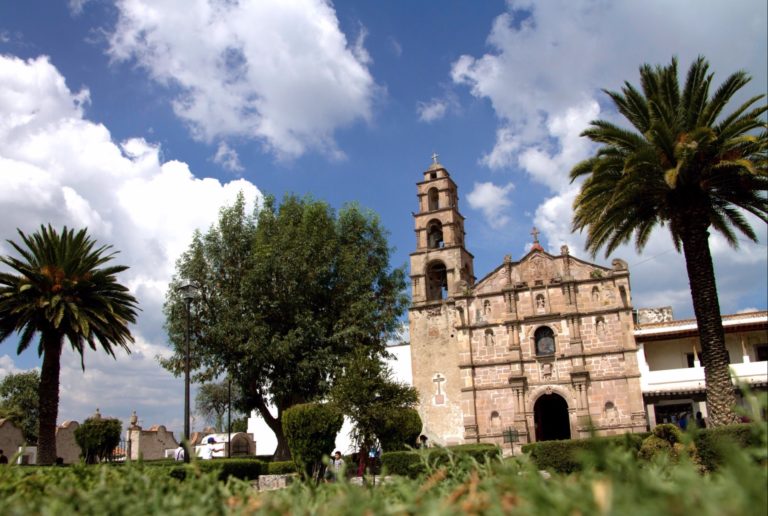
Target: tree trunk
pixel 48 394
pixel 721 397
pixel 282 453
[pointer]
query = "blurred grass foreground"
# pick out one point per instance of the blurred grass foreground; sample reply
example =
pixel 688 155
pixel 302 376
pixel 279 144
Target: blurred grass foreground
pixel 610 480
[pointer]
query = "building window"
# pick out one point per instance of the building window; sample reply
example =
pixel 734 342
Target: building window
pixel 761 352
pixel 545 341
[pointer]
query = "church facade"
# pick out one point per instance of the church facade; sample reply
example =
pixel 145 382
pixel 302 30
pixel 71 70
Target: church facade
pixel 540 348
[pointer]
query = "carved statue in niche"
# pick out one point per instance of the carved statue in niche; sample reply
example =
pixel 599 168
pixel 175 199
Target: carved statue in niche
pixel 600 327
pixel 487 308
pixel 546 370
pixel 595 295
pixel 495 421
pixel 489 338
pixel 610 414
pixel 541 304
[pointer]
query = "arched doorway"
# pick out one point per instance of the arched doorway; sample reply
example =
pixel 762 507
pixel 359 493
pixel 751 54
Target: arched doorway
pixel 550 415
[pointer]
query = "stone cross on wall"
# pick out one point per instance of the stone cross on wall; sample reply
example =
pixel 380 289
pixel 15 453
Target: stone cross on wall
pixel 439 398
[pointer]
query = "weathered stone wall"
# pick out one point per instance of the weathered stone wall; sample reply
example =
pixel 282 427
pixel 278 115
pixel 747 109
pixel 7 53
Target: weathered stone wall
pixel 66 445
pixel 10 438
pixel 149 444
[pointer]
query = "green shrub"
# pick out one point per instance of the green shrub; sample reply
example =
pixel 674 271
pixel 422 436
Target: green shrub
pixel 98 437
pixel 399 429
pixel 401 463
pixel 243 469
pixel 714 444
pixel 566 456
pixel 414 463
pixel 310 430
pixel 281 468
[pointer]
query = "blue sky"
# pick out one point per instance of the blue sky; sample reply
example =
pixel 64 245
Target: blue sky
pixel 140 118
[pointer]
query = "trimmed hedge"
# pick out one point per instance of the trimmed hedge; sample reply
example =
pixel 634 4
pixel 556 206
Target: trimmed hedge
pixel 310 429
pixel 281 468
pixel 244 469
pixel 412 463
pixel 565 456
pixel 714 444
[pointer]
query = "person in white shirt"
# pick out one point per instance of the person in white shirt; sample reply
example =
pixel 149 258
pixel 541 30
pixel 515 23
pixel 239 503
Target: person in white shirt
pixel 179 453
pixel 207 451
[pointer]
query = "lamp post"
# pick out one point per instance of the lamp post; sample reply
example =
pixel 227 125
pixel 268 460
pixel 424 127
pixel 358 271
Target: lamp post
pixel 188 291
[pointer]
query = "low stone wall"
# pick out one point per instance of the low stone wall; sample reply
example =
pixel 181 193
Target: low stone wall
pixel 271 482
pixel 10 438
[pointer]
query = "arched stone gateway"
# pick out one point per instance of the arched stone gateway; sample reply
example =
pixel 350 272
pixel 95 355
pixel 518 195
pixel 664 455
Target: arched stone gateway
pixel 550 416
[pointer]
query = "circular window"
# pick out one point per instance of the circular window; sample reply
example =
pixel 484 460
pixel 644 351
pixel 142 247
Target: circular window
pixel 545 341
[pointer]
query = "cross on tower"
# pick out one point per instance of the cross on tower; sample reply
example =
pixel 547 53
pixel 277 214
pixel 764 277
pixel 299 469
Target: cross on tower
pixel 535 234
pixel 434 157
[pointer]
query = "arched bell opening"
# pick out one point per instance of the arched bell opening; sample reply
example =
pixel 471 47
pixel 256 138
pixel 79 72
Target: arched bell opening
pixel 437 281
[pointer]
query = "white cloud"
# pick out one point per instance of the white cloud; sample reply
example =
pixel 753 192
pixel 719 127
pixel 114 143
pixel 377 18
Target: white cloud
pixel 493 201
pixel 437 107
pixel 433 110
pixel 76 6
pixel 548 57
pixel 7 366
pixel 279 72
pixel 58 167
pixel 227 157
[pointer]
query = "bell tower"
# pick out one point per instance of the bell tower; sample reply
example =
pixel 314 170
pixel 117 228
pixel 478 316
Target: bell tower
pixel 440 266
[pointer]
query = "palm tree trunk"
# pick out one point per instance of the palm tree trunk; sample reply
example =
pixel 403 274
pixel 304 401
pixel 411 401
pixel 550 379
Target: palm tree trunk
pixel 48 394
pixel 721 397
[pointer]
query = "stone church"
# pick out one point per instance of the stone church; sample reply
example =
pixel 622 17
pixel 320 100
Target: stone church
pixel 539 348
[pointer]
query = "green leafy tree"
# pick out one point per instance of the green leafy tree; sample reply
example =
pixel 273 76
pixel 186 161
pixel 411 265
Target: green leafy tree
pixel 311 429
pixel 60 289
pixel 685 165
pixel 18 402
pixel 285 295
pixel 212 401
pixel 400 429
pixel 97 438
pixel 366 393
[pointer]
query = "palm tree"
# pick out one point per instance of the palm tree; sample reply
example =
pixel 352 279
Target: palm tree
pixel 58 289
pixel 685 166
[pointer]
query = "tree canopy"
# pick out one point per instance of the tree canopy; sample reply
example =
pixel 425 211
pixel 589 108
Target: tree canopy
pixel 19 403
pixel 213 400
pixel 285 295
pixel 690 166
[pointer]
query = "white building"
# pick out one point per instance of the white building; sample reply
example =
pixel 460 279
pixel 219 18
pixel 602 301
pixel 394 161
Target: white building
pixel 671 374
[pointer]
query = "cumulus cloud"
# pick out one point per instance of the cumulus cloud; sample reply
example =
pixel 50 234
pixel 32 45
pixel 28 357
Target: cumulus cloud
pixel 281 73
pixel 543 74
pixel 58 167
pixel 493 201
pixel 228 158
pixel 547 57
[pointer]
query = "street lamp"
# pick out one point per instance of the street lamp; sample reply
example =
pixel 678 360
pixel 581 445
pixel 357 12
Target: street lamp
pixel 188 291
